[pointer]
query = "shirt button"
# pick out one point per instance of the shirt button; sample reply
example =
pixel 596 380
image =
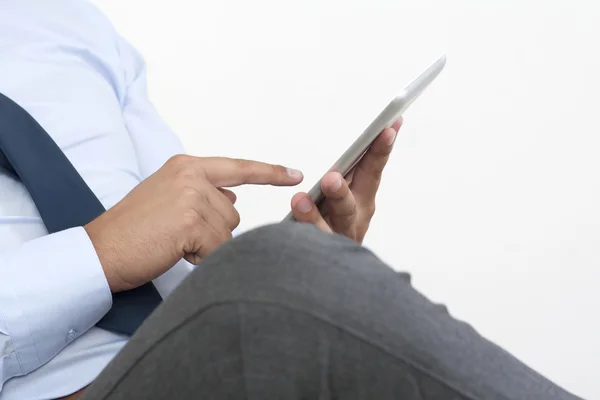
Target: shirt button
pixel 71 335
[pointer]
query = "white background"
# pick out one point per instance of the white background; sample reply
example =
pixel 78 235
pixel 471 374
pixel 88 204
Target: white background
pixel 492 199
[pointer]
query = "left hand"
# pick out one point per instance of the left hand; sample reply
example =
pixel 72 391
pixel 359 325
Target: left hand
pixel 349 203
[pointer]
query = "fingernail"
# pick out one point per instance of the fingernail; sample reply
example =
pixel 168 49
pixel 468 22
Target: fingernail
pixel 304 205
pixel 337 184
pixel 392 138
pixel 294 173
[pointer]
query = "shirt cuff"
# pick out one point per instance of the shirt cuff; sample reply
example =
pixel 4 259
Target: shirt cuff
pixel 53 289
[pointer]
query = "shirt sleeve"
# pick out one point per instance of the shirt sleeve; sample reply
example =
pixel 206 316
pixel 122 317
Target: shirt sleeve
pixel 41 312
pixel 153 140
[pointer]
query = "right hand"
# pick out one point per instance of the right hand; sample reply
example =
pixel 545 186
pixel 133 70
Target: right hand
pixel 178 212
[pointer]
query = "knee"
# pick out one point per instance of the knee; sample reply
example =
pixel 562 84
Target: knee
pixel 278 246
pixel 292 235
pixel 290 262
pixel 286 247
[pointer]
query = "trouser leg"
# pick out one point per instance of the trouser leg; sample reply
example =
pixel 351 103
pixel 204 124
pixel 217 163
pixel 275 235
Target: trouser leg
pixel 288 312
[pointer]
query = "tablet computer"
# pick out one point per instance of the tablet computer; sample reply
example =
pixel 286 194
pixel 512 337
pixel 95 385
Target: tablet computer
pixel 385 119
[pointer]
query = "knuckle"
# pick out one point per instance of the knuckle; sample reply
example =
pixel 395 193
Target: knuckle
pixel 383 153
pixel 279 170
pixel 348 211
pixel 373 169
pixel 381 150
pixel 183 167
pixel 344 208
pixel 244 168
pixel 190 194
pixel 370 210
pixel 377 175
pixel 235 218
pixel 191 219
pixel 179 161
pixel 243 165
pixel 256 169
pixel 375 172
pixel 352 209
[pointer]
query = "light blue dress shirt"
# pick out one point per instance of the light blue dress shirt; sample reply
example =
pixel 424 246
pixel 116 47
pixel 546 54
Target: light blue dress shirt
pixel 64 63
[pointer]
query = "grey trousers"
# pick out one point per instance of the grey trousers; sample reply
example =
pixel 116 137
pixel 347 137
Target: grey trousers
pixel 288 312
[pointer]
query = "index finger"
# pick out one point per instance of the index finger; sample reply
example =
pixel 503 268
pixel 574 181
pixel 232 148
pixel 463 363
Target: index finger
pixel 229 172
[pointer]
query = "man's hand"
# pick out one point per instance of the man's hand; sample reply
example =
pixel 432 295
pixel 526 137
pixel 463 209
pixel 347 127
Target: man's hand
pixel 181 211
pixel 349 203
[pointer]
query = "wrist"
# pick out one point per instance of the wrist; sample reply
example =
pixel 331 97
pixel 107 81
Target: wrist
pixel 109 255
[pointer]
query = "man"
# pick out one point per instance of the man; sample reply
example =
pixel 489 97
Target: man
pixel 297 310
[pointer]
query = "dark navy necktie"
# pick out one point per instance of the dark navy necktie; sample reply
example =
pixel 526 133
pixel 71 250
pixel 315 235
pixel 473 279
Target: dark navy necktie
pixel 63 200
